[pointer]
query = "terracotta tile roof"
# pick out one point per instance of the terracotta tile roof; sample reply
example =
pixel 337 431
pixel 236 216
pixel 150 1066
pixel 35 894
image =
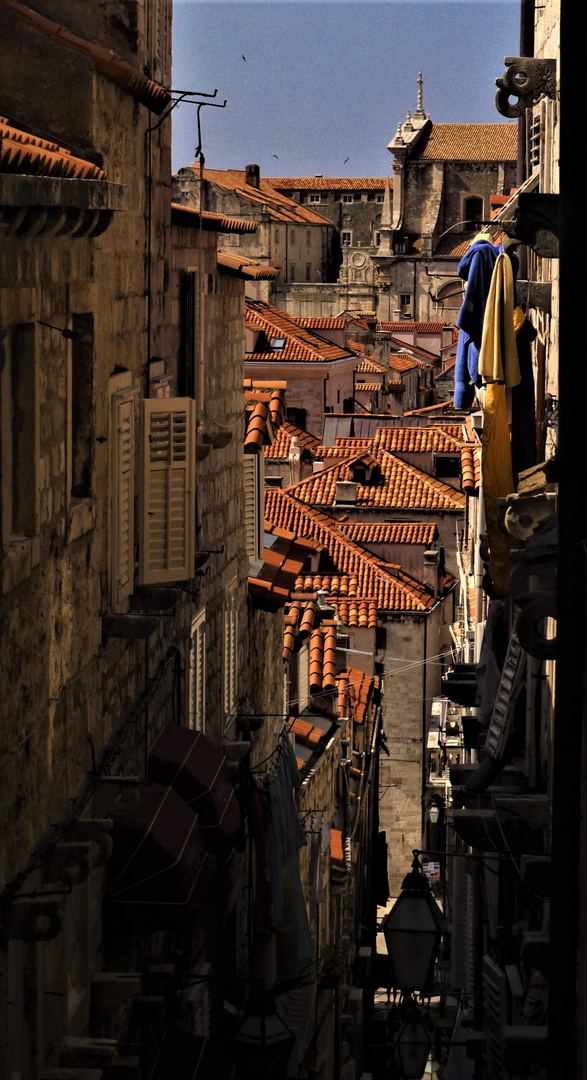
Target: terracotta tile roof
pixel 389 532
pixel 279 206
pixel 428 410
pixel 370 367
pixel 356 691
pixel 300 344
pixel 328 183
pixel 405 362
pixel 404 487
pixel 470 142
pixel 420 440
pixel 299 621
pixel 281 445
pixel 454 245
pixel 361 583
pixel 322 322
pixel 107 62
pixel 471 468
pixel 29 155
pixel 405 327
pixel 188 215
pixel 264 412
pixel 249 268
pixel 370 388
pixel 425 354
pixel 282 563
pixel 323 658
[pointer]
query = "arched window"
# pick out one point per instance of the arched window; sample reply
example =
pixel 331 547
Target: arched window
pixel 472 212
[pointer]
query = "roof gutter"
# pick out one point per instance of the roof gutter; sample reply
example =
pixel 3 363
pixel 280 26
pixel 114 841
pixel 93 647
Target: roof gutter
pixel 107 62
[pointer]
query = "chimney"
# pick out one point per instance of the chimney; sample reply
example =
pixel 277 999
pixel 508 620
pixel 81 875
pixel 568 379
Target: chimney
pixel 431 570
pixel 346 491
pixel 295 459
pixel 397 315
pixel 252 175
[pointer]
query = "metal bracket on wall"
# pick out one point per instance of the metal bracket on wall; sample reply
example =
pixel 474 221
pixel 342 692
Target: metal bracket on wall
pixel 526 79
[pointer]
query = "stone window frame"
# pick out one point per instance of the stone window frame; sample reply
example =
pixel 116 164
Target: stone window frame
pixel 230 628
pixel 314 197
pixel 195 673
pixel 349 242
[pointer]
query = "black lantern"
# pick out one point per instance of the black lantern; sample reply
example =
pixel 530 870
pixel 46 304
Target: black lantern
pixel 264 1043
pixel 414 1042
pixel 412 930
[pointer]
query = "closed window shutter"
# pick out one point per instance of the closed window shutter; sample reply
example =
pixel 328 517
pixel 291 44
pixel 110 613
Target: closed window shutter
pixel 123 425
pixel 230 651
pixel 168 496
pixel 196 674
pixel 253 465
pixel 303 678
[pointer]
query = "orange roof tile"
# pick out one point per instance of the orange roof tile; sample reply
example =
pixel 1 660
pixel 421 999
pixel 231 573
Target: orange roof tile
pixel 193 218
pixel 361 583
pixel 322 322
pixel 278 206
pixel 29 155
pixel 249 268
pixel 420 440
pixel 389 532
pixel 403 487
pixel 328 183
pixel 281 446
pixel 336 848
pixel 299 345
pixel 407 327
pixel 404 362
pixel 370 367
pixel 282 563
pixel 471 468
pixel 469 142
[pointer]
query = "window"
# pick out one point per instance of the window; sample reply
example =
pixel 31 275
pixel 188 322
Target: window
pixel 20 435
pixel 314 197
pixel 377 239
pixel 82 406
pixel 308 237
pixel 230 644
pixel 192 382
pixel 347 198
pixel 380 198
pixel 308 271
pixel 346 239
pixel 277 343
pixel 405 300
pixel 168 494
pixel 292 272
pixel 472 212
pixel 195 682
pixel 123 494
pixel 253 466
pixel 276 236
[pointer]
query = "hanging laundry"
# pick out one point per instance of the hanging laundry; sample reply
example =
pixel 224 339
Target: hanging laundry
pixel 476 268
pixel 498 355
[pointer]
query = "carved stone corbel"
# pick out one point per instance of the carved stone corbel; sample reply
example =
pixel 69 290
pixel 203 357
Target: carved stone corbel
pixel 68 863
pixel 96 832
pixel 32 918
pixel 526 79
pixel 116 796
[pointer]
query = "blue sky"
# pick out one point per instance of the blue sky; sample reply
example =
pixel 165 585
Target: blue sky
pixel 325 80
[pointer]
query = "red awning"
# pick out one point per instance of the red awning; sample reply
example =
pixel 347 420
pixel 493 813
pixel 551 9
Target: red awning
pixel 156 874
pixel 190 1057
pixel 196 769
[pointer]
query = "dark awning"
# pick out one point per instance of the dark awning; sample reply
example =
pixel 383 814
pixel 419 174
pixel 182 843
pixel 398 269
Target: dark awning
pixel 156 875
pixel 196 769
pixel 190 1057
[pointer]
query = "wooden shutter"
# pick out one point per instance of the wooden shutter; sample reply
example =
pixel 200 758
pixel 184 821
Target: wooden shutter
pixel 253 467
pixel 495 1018
pixel 122 540
pixel 196 674
pixel 168 495
pixel 303 678
pixel 230 650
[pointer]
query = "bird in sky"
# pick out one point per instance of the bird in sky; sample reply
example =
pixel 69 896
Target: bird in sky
pixel 345 160
pixel 276 155
pixel 244 57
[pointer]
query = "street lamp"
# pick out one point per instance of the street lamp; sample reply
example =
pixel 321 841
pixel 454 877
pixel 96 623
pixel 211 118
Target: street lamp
pixel 412 930
pixel 413 1042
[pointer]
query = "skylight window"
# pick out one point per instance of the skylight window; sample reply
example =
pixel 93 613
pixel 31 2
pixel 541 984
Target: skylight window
pixel 277 342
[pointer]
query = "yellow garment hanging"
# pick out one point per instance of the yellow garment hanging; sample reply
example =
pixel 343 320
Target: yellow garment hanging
pixel 498 356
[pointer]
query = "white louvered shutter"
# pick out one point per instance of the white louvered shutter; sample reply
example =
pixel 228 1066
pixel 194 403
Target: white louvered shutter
pixel 168 495
pixel 253 468
pixel 122 541
pixel 196 674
